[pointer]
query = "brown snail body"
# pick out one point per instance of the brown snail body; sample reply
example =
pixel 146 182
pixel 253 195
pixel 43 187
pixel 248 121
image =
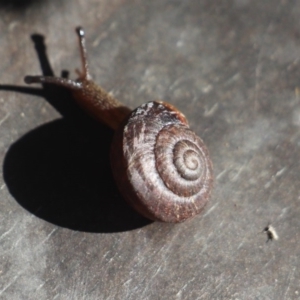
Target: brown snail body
pixel 161 167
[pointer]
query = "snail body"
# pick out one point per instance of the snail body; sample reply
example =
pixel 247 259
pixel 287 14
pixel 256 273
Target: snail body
pixel 161 167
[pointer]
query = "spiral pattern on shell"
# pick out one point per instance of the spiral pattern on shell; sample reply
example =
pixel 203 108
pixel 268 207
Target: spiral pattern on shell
pixel 162 168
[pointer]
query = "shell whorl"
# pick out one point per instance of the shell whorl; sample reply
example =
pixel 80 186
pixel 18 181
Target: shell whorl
pixel 161 167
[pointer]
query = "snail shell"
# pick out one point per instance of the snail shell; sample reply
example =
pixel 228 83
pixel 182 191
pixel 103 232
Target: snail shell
pixel 161 167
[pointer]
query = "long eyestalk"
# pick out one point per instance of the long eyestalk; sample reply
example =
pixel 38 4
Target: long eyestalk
pixel 83 53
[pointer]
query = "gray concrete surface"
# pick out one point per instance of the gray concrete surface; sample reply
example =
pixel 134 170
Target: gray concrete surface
pixel 233 67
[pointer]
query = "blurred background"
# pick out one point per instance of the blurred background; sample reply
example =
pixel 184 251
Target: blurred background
pixel 232 67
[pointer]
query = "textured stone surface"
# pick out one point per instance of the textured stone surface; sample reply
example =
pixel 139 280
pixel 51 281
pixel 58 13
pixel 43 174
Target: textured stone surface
pixel 233 68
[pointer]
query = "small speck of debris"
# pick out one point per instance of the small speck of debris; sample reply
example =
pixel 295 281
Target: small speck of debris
pixel 271 233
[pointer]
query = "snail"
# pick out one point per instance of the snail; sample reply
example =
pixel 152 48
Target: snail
pixel 161 167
